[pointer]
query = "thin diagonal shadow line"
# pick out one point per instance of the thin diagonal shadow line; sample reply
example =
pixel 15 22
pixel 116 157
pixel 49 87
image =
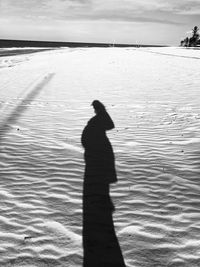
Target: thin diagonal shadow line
pixel 170 55
pixel 22 106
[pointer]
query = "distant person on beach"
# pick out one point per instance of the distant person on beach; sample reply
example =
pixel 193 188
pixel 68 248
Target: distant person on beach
pixel 99 156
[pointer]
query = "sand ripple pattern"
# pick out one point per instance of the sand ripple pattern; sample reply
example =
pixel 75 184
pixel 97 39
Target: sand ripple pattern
pixel 154 101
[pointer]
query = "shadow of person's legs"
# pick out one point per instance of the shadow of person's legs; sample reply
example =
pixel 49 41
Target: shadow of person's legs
pixel 100 244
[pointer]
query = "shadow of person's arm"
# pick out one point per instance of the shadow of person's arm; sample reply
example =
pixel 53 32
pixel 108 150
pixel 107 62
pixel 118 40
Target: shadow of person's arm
pixel 102 118
pixel 108 122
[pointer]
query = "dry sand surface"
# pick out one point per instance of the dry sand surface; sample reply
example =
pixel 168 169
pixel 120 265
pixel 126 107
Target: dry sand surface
pixel 153 97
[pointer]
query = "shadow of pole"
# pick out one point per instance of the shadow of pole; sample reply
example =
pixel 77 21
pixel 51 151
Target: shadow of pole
pixel 23 105
pixel 100 244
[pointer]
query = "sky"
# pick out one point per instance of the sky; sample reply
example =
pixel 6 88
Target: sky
pixel 161 22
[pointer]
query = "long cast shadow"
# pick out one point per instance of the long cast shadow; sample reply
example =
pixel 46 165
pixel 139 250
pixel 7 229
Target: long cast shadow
pixel 23 105
pixel 100 244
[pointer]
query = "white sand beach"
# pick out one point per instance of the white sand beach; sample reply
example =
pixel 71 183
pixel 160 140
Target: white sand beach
pixel 153 97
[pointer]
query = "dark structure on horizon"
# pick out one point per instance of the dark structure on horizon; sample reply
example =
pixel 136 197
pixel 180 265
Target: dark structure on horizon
pixel 5 43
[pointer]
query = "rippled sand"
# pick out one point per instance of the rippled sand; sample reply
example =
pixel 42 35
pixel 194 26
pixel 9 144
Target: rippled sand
pixel 153 96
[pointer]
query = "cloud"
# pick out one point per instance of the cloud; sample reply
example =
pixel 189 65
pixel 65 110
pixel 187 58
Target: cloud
pixel 149 11
pixel 183 7
pixel 125 16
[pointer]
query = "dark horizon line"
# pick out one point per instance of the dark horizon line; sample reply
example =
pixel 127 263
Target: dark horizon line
pixel 5 43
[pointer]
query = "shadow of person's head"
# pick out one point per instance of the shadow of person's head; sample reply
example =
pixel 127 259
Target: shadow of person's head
pixel 98 107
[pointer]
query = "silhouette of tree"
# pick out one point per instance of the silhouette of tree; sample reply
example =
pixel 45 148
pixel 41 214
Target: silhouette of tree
pixel 194 40
pixel 185 42
pixel 195 37
pixel 195 31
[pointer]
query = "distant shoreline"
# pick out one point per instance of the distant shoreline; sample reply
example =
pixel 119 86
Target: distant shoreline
pixel 6 43
pixel 23 51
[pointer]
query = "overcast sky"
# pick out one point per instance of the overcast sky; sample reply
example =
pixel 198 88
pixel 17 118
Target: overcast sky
pixel 120 21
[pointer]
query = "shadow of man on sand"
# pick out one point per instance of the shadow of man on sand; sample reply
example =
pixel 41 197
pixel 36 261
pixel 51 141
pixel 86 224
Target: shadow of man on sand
pixel 100 244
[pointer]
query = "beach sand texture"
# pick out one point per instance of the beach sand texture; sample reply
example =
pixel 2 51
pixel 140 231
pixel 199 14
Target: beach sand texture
pixel 153 97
